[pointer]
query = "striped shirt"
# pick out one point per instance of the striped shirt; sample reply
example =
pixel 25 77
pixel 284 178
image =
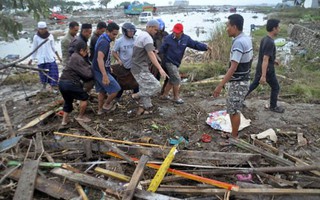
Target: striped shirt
pixel 242 53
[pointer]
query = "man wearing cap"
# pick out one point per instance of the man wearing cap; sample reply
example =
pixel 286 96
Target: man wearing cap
pixel 101 28
pixel 66 40
pixel 85 34
pixel 143 53
pixel 46 56
pixel 173 48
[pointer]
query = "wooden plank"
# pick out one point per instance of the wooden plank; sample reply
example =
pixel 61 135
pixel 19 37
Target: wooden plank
pixel 271 157
pixel 136 177
pixel 27 180
pixel 108 144
pixel 81 191
pixel 286 155
pixel 242 191
pixel 112 174
pixel 38 119
pixel 38 144
pixel 188 175
pixel 111 188
pixel 167 179
pixel 193 157
pixel 51 187
pixel 8 121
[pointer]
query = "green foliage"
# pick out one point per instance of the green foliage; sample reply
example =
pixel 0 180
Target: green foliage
pixel 65 6
pixel 8 25
pixel 123 4
pixel 220 43
pixel 201 71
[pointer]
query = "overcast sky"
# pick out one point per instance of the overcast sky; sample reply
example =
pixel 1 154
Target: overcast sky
pixel 198 2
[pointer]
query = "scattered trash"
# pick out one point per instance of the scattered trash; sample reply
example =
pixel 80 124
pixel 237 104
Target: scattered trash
pixel 244 177
pixel 206 138
pixel 178 141
pixel 220 120
pixel 270 134
pixel 280 42
pixel 9 143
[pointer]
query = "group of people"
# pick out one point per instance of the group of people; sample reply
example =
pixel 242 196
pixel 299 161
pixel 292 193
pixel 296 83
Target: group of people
pixel 151 54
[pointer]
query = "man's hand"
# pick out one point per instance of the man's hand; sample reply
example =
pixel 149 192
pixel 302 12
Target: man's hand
pixel 277 62
pixel 163 74
pixel 105 80
pixel 263 80
pixel 217 91
pixel 120 62
pixel 209 48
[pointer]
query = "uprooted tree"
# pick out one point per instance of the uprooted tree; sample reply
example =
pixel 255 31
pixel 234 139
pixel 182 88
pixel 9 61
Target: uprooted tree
pixel 8 23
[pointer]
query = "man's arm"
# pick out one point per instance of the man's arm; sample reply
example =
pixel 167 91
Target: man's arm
pixel 226 78
pixel 105 79
pixel 155 62
pixel 115 54
pixel 264 67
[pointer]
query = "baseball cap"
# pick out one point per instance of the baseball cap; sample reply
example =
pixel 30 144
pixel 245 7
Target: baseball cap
pixel 178 28
pixel 42 25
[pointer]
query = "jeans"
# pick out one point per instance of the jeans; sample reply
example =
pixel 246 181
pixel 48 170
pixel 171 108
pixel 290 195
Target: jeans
pixel 273 83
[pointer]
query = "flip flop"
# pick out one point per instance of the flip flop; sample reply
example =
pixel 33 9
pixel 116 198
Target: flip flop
pixel 225 135
pixel 225 143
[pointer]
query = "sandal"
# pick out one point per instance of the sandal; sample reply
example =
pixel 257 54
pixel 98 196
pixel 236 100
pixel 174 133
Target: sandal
pixel 179 101
pixel 142 111
pixel 162 97
pixel 225 143
pixel 84 119
pixel 110 107
pixel 225 135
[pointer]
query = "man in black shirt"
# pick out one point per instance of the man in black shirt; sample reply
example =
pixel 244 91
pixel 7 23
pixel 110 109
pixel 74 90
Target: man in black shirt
pixel 265 72
pixel 101 28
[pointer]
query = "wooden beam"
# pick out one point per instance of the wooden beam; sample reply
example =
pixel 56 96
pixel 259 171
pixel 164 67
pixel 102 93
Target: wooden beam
pixel 27 181
pixel 7 119
pixel 286 155
pixel 111 188
pixel 108 144
pixel 112 174
pixel 271 157
pixel 48 186
pixel 136 177
pixel 193 157
pixel 242 191
pixel 81 191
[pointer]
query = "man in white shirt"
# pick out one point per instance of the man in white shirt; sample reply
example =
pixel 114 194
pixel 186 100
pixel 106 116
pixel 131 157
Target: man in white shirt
pixel 46 56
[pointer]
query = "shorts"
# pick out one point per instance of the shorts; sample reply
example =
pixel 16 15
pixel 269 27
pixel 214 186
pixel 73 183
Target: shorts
pixel 113 86
pixel 173 73
pixel 71 91
pixel 237 91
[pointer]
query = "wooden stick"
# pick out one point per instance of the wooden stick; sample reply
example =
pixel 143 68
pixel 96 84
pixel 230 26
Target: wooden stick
pixel 108 144
pixel 112 174
pixel 106 139
pixel 188 176
pixel 290 157
pixel 136 177
pixel 81 192
pixel 241 191
pixel 7 119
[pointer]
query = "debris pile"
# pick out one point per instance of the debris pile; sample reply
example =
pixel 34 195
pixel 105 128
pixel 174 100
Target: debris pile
pixel 41 159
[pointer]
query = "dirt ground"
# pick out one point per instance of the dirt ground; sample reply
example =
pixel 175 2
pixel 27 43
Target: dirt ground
pixel 168 120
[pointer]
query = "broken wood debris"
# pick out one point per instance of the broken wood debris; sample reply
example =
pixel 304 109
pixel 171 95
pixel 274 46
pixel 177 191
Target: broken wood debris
pixel 208 168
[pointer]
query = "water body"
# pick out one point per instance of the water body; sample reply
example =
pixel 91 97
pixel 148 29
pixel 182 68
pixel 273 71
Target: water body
pixel 197 25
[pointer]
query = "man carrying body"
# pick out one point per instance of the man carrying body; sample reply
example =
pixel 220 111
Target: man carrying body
pixel 143 53
pixel 101 28
pixel 173 48
pixel 104 81
pixel 66 40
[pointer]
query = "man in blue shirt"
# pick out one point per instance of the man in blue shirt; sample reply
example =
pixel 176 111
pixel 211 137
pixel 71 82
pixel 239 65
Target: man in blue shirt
pixel 173 48
pixel 104 81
